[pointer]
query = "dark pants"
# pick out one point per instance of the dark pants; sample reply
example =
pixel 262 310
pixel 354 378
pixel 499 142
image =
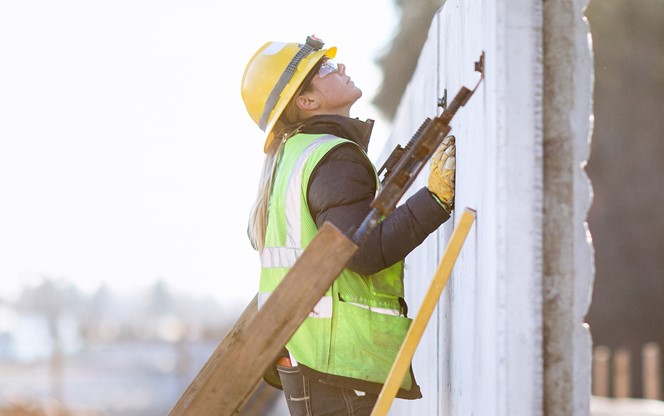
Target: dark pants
pixel 307 397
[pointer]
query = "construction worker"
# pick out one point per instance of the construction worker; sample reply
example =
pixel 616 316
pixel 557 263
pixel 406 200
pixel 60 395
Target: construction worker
pixel 316 169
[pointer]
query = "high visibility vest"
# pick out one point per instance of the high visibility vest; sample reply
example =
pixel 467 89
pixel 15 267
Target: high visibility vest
pixel 358 326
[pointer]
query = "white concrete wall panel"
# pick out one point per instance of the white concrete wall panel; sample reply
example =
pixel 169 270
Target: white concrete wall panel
pixel 482 351
pixel 419 102
pixel 487 364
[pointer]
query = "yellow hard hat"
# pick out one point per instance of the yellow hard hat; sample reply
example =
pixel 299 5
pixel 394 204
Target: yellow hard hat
pixel 274 74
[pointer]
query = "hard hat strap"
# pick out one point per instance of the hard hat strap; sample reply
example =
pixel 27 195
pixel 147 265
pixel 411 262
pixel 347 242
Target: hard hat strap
pixel 285 78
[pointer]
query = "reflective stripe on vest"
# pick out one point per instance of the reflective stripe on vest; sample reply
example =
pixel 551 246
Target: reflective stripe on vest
pixel 293 208
pixel 323 308
pixel 280 256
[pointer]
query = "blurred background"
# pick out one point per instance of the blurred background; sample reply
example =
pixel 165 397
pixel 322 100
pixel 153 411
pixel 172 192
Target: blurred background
pixel 128 167
pixel 626 167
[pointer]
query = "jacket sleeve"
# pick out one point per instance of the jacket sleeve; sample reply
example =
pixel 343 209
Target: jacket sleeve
pixel 341 189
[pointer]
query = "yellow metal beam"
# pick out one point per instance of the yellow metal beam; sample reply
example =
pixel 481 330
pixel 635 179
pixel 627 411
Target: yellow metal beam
pixel 414 335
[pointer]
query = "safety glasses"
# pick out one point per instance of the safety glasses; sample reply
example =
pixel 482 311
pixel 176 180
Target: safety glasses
pixel 327 67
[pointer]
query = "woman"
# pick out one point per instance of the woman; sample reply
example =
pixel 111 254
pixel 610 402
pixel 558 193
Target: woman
pixel 316 169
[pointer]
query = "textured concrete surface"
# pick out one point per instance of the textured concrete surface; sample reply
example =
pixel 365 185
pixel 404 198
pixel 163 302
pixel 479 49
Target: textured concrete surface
pixel 486 349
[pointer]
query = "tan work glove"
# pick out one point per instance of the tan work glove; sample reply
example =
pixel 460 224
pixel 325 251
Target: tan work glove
pixel 442 173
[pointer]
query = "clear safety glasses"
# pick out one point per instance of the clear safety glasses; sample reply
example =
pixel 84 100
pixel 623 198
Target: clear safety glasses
pixel 328 67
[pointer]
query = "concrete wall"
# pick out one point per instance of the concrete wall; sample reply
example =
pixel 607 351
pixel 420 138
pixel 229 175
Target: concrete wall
pixel 507 337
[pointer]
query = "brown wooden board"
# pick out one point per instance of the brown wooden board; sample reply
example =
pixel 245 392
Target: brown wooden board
pixel 235 368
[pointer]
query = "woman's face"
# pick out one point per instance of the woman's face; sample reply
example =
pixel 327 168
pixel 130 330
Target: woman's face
pixel 336 91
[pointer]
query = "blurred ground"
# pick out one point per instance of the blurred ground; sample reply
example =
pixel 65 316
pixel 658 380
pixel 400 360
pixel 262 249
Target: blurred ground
pixel 122 379
pixel 604 406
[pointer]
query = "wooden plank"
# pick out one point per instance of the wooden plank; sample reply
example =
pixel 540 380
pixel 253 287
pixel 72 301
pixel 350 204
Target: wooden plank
pixel 601 356
pixel 236 367
pixel 622 386
pixel 651 371
pixel 405 355
pixel 208 368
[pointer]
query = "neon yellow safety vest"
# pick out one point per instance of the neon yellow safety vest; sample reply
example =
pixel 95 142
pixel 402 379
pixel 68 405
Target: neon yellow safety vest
pixel 357 327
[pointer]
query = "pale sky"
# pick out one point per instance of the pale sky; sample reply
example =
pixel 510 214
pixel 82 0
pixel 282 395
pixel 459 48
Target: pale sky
pixel 126 153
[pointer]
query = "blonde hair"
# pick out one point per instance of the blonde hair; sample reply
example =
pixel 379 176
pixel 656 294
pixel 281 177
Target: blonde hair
pixel 259 212
pixel 288 125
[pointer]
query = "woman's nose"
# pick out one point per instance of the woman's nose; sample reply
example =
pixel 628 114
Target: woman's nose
pixel 342 68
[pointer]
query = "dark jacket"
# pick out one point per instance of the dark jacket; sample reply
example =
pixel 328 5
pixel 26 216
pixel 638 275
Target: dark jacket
pixel 343 185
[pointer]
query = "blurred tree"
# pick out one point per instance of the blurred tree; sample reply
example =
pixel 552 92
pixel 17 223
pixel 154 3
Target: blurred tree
pixel 97 310
pixel 400 60
pixel 161 301
pixel 51 298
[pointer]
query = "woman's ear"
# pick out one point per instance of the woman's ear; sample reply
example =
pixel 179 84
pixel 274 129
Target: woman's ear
pixel 307 102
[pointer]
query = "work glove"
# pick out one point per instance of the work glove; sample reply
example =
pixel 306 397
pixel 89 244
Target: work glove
pixel 442 173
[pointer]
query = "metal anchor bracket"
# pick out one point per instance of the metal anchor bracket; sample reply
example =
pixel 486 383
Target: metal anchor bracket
pixel 479 67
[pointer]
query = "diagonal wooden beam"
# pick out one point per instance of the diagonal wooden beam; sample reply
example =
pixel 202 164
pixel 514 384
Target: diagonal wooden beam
pixel 233 371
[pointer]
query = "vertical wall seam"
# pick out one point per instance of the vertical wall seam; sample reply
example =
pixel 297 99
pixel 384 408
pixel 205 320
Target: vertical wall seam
pixel 562 63
pixel 538 203
pixel 500 81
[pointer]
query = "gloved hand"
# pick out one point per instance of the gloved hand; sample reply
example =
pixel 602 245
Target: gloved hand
pixel 442 173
